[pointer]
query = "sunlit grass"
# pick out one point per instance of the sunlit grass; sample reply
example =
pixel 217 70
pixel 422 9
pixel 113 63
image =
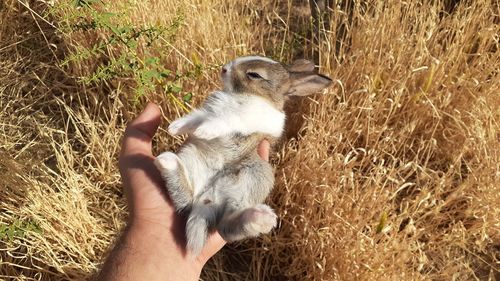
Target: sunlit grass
pixel 391 174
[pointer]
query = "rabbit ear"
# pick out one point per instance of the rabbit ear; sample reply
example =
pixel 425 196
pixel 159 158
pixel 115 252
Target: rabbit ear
pixel 301 65
pixel 303 84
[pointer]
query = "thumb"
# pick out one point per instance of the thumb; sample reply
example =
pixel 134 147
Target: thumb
pixel 136 161
pixel 140 132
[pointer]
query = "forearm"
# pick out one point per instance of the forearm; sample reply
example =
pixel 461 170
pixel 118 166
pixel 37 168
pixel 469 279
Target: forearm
pixel 143 254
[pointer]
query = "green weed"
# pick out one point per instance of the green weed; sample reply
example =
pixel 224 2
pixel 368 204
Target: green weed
pixel 125 50
pixel 18 229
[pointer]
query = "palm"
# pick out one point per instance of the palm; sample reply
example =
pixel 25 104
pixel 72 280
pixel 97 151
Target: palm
pixel 147 197
pixel 148 201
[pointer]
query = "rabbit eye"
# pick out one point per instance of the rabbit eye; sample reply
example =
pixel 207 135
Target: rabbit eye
pixel 254 75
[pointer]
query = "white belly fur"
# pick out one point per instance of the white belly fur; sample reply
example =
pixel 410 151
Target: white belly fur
pixel 229 114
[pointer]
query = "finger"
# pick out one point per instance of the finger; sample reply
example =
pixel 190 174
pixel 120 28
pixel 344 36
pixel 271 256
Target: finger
pixel 139 132
pixel 263 149
pixel 214 243
pixel 136 161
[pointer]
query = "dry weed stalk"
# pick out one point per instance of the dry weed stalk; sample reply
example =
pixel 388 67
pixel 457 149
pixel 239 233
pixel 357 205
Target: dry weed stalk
pixel 393 174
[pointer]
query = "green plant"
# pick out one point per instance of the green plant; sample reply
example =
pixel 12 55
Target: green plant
pixel 18 229
pixel 126 51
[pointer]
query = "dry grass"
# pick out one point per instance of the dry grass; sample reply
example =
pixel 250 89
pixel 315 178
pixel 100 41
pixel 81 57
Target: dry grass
pixel 392 174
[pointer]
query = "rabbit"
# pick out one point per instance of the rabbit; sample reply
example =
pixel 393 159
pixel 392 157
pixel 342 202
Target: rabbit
pixel 217 177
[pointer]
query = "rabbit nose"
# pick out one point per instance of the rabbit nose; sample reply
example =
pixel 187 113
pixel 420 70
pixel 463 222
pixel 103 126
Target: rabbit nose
pixel 224 70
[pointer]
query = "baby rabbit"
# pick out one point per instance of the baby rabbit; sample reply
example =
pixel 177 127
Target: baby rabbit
pixel 217 176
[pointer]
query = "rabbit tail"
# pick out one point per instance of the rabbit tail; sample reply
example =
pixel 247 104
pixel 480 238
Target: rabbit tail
pixel 201 219
pixel 196 232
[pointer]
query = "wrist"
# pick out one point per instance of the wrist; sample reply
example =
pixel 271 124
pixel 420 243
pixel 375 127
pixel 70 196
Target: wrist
pixel 146 224
pixel 161 256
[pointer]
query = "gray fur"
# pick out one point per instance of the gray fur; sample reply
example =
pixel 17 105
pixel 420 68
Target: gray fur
pixel 217 176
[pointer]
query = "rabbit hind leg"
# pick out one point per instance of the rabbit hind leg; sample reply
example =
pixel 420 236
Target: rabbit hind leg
pixel 250 222
pixel 174 173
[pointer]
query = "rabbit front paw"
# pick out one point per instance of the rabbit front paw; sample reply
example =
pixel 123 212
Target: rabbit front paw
pixel 208 131
pixel 176 127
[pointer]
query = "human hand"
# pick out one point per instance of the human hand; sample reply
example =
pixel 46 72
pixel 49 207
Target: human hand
pixel 153 246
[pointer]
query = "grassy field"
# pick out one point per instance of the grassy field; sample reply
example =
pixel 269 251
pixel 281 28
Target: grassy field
pixel 393 173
